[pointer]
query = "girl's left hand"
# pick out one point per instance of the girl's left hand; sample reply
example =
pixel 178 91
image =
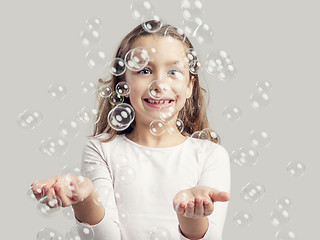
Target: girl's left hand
pixel 197 202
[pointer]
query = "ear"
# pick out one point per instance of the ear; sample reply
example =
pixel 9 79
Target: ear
pixel 190 87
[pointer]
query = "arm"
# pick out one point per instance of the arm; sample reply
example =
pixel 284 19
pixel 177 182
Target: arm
pixel 193 228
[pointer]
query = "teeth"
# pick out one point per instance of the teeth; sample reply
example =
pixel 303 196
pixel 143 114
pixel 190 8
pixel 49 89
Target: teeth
pixel 158 102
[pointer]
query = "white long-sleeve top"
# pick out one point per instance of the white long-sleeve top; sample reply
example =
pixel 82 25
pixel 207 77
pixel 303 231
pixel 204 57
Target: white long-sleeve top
pixel 137 185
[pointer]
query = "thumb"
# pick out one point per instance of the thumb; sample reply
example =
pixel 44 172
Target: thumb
pixel 219 196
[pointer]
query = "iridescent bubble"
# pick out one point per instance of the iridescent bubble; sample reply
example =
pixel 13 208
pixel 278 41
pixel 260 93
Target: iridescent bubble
pixel 259 139
pixel 49 234
pixel 177 128
pixel 115 98
pixel 81 231
pixel 96 59
pixel 49 205
pixel 280 217
pixel 232 113
pixel 117 67
pixel 88 115
pixel 141 10
pixel 264 86
pixel 285 234
pixel 105 91
pixel 296 169
pixel 204 34
pixel 242 219
pixel 200 135
pixel 68 128
pixel 252 192
pixel 123 89
pixel 259 100
pixel 245 156
pixel 152 25
pixel 68 212
pixel 29 119
pixel 157 127
pixel 54 146
pixel 90 38
pixel 120 117
pixel 94 24
pixel 57 91
pixel 88 87
pixel 283 203
pixel 158 89
pixel 159 233
pixel 126 174
pixel 136 58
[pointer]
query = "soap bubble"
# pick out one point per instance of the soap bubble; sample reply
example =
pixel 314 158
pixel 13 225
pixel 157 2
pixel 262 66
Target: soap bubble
pixel 90 38
pixel 190 27
pixel 88 87
pixel 103 196
pixel 126 174
pixel 259 139
pixel 264 86
pixel 68 212
pixel 68 128
pixel 252 192
pixel 259 100
pixel 158 89
pixel 94 24
pixel 49 234
pixel 96 59
pixel 242 219
pixel 283 203
pixel 105 91
pixel 232 113
pixel 115 98
pixel 141 10
pixel 157 127
pixel 296 169
pixel 29 119
pixel 117 67
pixel 120 117
pixel 123 89
pixel 192 9
pixel 49 205
pixel 245 156
pixel 54 146
pixel 88 115
pixel 285 234
pixel 200 135
pixel 123 216
pixel 57 91
pixel 212 134
pixel 177 128
pixel 159 233
pixel 280 217
pixel 152 25
pixel 81 231
pixel 167 113
pixel 136 58
pixel 204 34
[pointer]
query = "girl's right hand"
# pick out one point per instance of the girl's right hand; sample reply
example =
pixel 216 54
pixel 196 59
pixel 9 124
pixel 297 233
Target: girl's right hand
pixel 69 188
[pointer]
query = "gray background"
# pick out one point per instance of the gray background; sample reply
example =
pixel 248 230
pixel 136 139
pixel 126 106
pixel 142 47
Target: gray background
pixel 275 41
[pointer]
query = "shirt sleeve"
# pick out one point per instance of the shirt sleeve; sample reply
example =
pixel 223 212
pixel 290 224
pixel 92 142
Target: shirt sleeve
pixel 95 167
pixel 216 174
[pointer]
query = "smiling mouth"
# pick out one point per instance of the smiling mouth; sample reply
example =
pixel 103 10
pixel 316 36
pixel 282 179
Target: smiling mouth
pixel 158 102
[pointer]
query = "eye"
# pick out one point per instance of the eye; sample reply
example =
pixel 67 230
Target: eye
pixel 174 71
pixel 144 71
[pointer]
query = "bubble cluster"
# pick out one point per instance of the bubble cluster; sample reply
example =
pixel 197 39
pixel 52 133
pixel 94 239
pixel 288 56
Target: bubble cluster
pixel 252 192
pixel 29 119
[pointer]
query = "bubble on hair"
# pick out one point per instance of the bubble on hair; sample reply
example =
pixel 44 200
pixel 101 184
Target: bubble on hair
pixel 152 25
pixel 117 66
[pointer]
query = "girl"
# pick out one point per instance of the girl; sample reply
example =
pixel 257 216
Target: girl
pixel 139 183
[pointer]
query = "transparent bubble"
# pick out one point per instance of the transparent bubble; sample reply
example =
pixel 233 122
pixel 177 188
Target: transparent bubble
pixel 119 198
pixel 96 59
pixel 280 217
pixel 211 133
pixel 31 195
pixel 158 89
pixel 120 117
pixel 88 115
pixel 200 135
pixel 49 234
pixel 68 128
pixel 232 113
pixel 117 67
pixel 71 169
pixel 123 216
pixel 141 10
pixel 81 231
pixel 54 146
pixel 245 156
pixel 259 139
pixel 94 24
pixel 285 234
pixel 88 87
pixel 204 34
pixel 49 205
pixel 159 233
pixel 192 9
pixel 194 66
pixel 177 128
pixel 126 174
pixel 29 119
pixel 190 55
pixel 296 169
pixel 157 127
pixel 121 161
pixel 57 91
pixel 152 53
pixel 68 212
pixel 115 98
pixel 123 89
pixel 190 27
pixel 242 219
pixel 90 38
pixel 252 192
pixel 167 113
pixel 105 91
pixel 136 58
pixel 283 203
pixel 103 196
pixel 152 25
pixel 176 30
pixel 259 100
pixel 264 86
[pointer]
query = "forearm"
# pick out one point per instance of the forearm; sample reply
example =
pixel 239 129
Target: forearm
pixel 193 228
pixel 88 211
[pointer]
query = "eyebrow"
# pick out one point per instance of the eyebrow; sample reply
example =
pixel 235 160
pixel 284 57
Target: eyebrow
pixel 167 63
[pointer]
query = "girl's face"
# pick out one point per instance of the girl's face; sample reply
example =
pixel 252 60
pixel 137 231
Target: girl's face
pixel 163 84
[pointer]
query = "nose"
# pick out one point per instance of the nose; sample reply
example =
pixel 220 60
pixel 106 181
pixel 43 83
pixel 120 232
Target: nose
pixel 159 88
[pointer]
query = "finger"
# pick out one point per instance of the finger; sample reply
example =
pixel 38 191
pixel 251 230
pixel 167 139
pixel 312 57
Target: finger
pixel 180 208
pixel 199 209
pixel 219 196
pixel 76 196
pixel 60 192
pixel 189 210
pixel 208 207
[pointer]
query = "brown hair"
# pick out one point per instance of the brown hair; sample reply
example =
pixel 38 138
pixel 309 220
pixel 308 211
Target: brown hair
pixel 193 114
